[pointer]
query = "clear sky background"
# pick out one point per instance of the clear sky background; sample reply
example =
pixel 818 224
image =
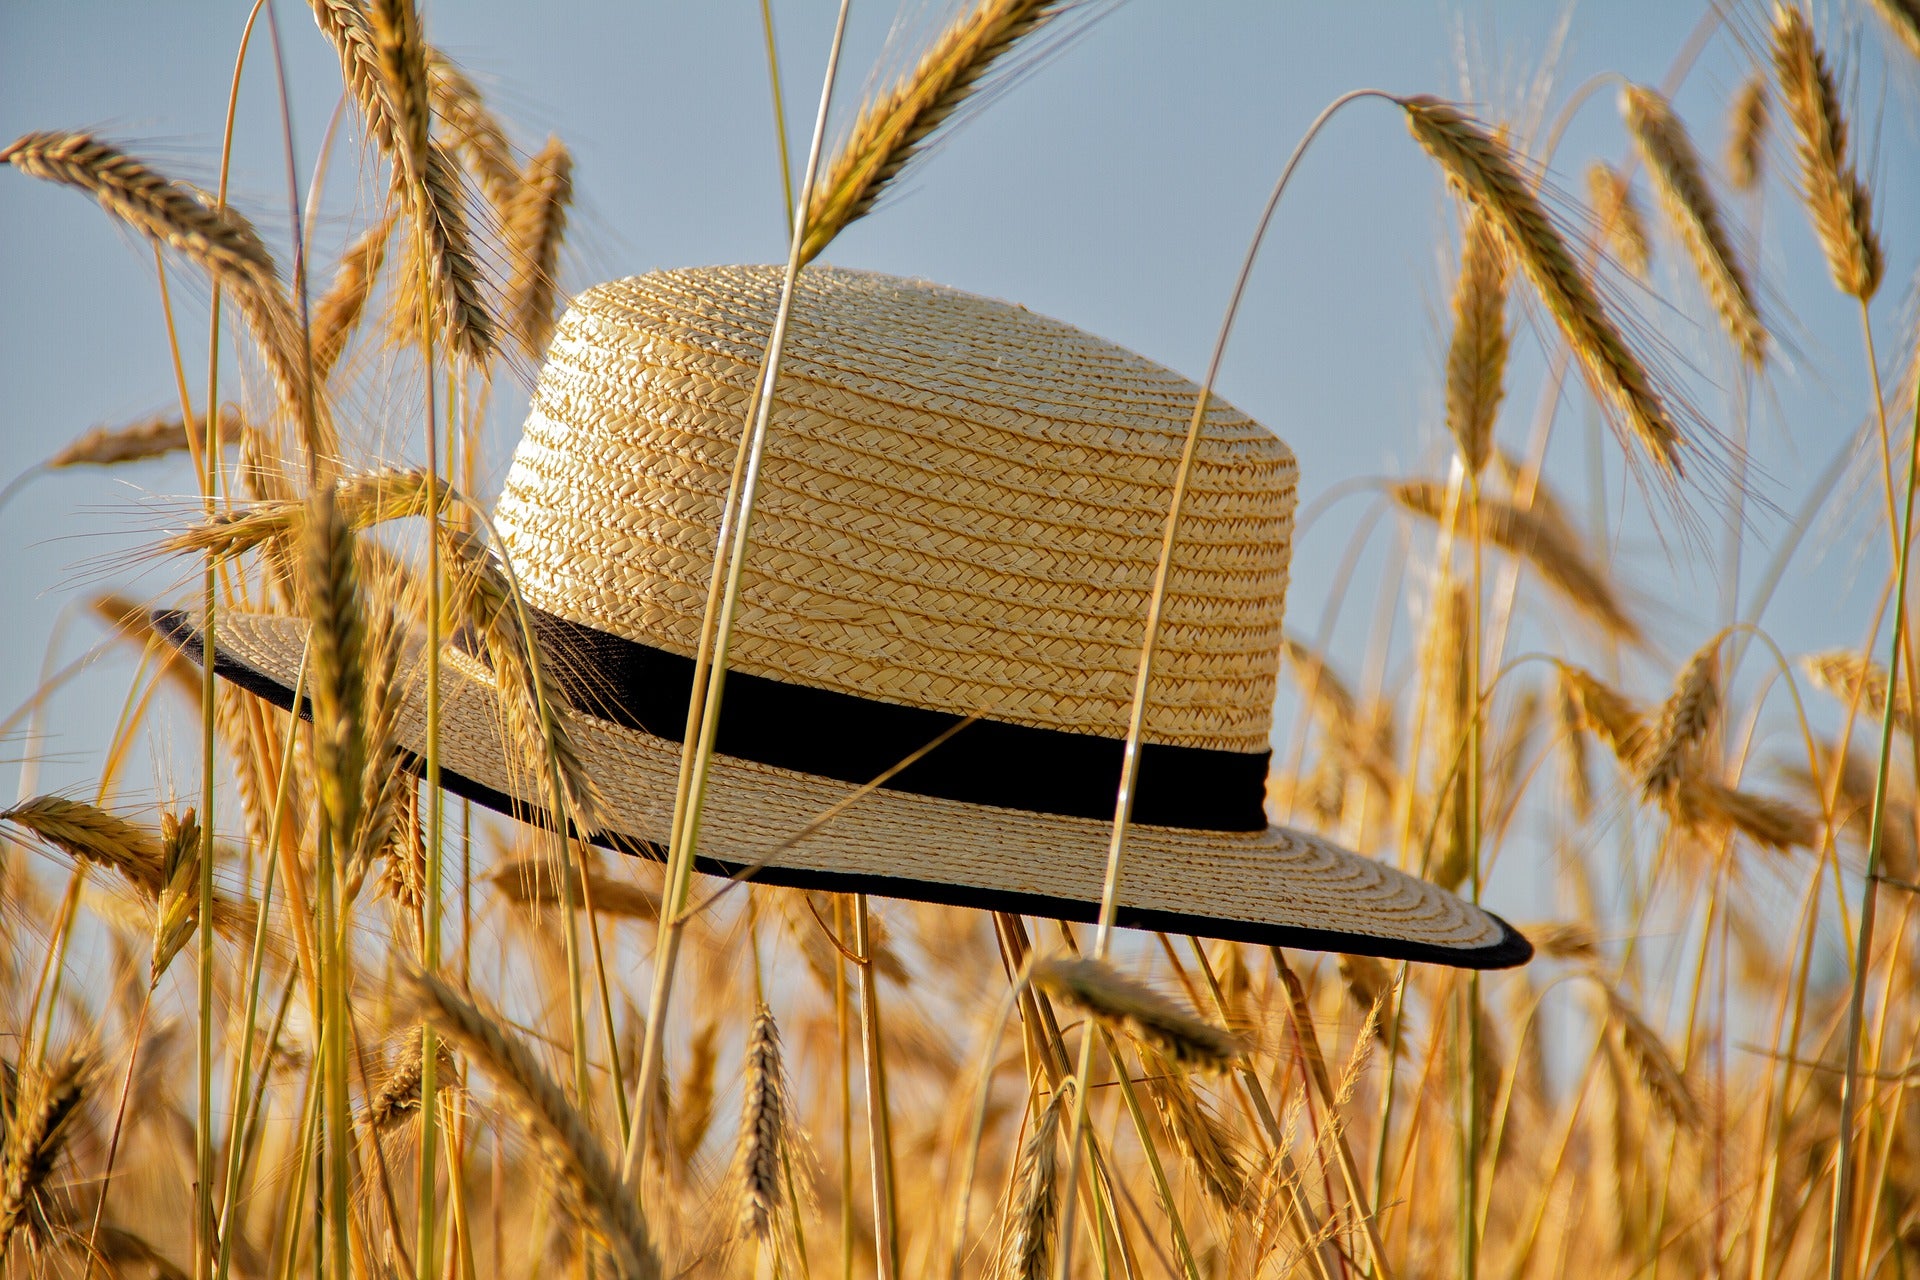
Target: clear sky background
pixel 1114 186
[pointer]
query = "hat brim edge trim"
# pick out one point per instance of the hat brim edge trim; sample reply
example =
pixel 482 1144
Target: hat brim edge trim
pixel 1511 950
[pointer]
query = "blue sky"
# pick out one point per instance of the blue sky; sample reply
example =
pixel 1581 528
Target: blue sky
pixel 1114 186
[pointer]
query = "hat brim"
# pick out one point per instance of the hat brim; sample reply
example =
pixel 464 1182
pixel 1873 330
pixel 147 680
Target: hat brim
pixel 1276 887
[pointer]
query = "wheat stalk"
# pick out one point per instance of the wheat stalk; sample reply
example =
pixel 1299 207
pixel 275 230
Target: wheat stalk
pixel 566 1141
pixel 1482 170
pixel 1681 181
pixel 892 128
pixel 1477 354
pixel 1837 200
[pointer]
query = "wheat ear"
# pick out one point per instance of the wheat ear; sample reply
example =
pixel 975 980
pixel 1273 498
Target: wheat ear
pixel 536 225
pixel 1617 210
pixel 1482 169
pixel 892 128
pixel 764 1136
pixel 337 637
pixel 45 1102
pixel 215 237
pixel 1747 134
pixel 426 178
pixel 154 437
pixel 1837 200
pixel 1097 988
pixel 1477 354
pixel 1681 181
pixel 459 106
pixel 1542 542
pixel 338 312
pixel 1686 718
pixel 1028 1251
pixel 572 1152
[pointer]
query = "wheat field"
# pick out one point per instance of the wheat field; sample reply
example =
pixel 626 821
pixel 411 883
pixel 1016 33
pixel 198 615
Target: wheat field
pixel 1628 659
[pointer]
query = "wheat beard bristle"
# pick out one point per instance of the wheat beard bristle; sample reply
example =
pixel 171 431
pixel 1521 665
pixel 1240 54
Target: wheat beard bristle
pixel 1482 171
pixel 1837 200
pixel 1681 181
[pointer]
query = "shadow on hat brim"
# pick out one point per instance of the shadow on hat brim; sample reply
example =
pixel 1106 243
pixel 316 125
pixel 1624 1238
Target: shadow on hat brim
pixel 1495 944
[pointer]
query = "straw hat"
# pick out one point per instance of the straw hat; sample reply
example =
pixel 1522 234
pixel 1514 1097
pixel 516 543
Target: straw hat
pixel 959 513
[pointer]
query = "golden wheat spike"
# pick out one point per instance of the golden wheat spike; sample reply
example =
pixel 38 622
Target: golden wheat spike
pixel 1482 169
pixel 1109 995
pixel 1837 200
pixel 1747 134
pixel 1542 542
pixel 1681 180
pixel 571 1150
pixel 892 128
pixel 1477 354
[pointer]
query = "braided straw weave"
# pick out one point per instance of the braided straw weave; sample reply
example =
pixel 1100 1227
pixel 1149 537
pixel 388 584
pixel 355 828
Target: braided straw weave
pixel 943 520
pixel 960 509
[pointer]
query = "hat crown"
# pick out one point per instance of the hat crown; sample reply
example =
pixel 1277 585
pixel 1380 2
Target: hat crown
pixel 960 503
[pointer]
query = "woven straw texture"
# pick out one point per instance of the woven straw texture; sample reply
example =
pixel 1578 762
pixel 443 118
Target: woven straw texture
pixel 960 506
pixel 1275 877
